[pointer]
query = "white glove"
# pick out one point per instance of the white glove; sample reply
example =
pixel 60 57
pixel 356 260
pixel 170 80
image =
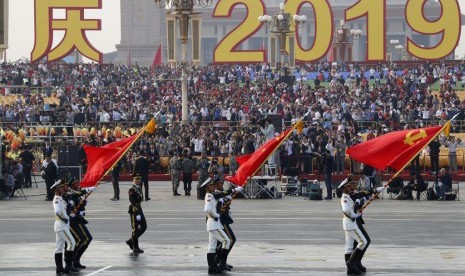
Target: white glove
pixel 221 200
pixel 238 189
pixel 358 201
pixel 72 215
pixel 380 189
pixel 228 197
pixel 71 202
pixel 82 213
pixel 90 189
pixel 357 215
pixel 138 218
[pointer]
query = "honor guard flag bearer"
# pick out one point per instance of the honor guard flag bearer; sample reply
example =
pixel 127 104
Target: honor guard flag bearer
pixel 396 149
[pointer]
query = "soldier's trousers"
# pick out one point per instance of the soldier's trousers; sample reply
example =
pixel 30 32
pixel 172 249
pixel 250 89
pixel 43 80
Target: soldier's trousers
pixel 215 236
pixel 229 232
pixel 82 237
pixel 138 228
pixel 145 183
pixel 364 232
pixel 63 237
pixel 175 180
pixel 354 235
pixel 187 180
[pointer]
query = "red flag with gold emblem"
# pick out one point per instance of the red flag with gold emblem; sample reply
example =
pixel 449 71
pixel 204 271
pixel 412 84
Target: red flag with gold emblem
pixel 394 149
pixel 251 163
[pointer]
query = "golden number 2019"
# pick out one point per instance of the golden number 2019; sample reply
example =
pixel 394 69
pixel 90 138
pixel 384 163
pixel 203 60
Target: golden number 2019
pixel 448 25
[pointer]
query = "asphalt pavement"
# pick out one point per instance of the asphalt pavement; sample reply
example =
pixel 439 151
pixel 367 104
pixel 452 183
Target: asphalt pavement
pixel 289 235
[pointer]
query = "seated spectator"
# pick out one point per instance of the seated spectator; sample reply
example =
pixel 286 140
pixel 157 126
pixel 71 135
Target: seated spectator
pixel 417 183
pixel 3 189
pixel 445 183
pixel 396 185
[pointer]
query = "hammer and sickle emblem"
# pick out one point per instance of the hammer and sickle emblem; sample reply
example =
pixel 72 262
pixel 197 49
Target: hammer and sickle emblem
pixel 411 139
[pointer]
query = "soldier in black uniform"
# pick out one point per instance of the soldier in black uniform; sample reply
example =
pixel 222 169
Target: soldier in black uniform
pixel 77 221
pixel 49 174
pixel 27 159
pixel 226 220
pixel 115 179
pixel 141 167
pixel 138 223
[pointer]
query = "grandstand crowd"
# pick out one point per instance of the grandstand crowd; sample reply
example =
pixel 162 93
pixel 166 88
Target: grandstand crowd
pixel 227 103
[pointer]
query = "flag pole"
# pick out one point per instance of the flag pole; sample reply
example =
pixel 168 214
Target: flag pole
pixel 375 195
pixel 142 131
pixel 282 141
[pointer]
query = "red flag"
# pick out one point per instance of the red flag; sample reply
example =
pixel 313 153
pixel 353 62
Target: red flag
pixel 157 58
pixel 249 164
pixel 394 149
pixel 101 159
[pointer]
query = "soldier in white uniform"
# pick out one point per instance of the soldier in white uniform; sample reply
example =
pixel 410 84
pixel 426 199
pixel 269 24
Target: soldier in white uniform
pixel 214 227
pixel 61 228
pixel 352 230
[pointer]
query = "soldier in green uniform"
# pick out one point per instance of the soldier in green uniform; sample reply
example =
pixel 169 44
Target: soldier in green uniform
pixel 187 170
pixel 232 163
pixel 175 169
pixel 138 223
pixel 203 167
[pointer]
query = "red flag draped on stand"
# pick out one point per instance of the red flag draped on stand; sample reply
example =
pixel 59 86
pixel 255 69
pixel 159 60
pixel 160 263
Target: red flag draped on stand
pixel 394 149
pixel 157 58
pixel 251 163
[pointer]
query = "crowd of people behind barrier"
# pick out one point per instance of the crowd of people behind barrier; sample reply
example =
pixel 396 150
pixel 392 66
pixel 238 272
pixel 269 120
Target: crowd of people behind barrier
pixel 227 102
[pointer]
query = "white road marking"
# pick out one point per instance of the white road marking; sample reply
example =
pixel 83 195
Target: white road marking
pixel 98 271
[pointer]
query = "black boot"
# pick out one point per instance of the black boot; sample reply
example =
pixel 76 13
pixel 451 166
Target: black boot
pixel 223 257
pixel 69 261
pixel 212 267
pixel 351 263
pixel 77 257
pixel 129 243
pixel 59 263
pixel 359 264
pixel 135 243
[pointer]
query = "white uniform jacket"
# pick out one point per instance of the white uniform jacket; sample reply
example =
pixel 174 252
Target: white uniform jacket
pixel 347 204
pixel 210 210
pixel 59 205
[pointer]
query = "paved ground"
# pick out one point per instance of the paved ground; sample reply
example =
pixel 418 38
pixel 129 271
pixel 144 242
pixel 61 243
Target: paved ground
pixel 276 236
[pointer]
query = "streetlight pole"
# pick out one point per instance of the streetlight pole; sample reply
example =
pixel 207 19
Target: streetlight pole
pixel 183 10
pixel 393 43
pixel 280 26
